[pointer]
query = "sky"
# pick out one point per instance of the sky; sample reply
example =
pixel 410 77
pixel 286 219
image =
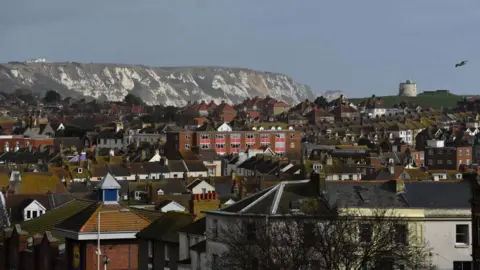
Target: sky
pixel 360 47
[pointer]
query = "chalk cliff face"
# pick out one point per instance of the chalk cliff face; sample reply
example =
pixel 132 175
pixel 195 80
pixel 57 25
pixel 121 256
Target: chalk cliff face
pixel 167 86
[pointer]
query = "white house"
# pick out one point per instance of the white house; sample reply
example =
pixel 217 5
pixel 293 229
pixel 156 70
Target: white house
pixel 443 225
pixel 200 187
pixel 169 205
pixel 448 233
pixel 192 244
pixel 33 210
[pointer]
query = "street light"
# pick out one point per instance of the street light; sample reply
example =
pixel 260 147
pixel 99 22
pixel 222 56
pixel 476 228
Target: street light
pixel 123 210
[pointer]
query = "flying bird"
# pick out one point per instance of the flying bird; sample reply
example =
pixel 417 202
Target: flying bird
pixel 463 63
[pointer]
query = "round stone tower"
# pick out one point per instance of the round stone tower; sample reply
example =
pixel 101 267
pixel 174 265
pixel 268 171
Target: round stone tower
pixel 408 89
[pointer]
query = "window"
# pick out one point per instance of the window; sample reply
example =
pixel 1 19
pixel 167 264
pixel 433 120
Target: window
pixel 215 228
pixel 235 145
pixel 80 170
pixel 401 234
pixel 292 145
pixel 35 213
pixel 251 231
pixel 41 212
pixel 29 214
pixel 462 234
pixel 249 144
pixel 205 136
pixel 449 162
pixel 467 152
pixel 219 136
pixel 468 162
pixel 205 146
pixel 365 231
pixel 265 136
pixel 308 232
pixel 462 265
pixel 439 161
pixel 430 152
pixel 219 145
pixel 250 136
pixel 150 249
pixel 460 152
pixel 292 135
pixel 430 162
pixel 187 137
pixel 440 152
pixel 204 190
pixel 187 146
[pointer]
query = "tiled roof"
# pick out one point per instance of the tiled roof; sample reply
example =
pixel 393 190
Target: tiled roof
pixel 86 220
pixel 166 228
pixel 36 182
pixel 51 218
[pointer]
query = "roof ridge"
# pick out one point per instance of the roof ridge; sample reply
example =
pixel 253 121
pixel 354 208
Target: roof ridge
pixel 94 214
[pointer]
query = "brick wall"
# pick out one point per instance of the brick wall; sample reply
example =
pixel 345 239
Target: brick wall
pixel 29 253
pixel 123 254
pixel 203 202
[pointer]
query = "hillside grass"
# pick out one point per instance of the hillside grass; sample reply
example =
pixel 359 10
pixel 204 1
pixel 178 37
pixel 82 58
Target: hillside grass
pixel 434 100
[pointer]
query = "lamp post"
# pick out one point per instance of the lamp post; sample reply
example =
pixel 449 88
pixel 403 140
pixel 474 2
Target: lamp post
pixel 98 231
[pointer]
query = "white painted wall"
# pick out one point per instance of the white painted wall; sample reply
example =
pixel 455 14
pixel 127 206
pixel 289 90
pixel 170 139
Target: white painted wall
pixel 197 174
pixel 173 206
pixel 34 207
pixel 218 167
pixel 198 189
pixel 440 235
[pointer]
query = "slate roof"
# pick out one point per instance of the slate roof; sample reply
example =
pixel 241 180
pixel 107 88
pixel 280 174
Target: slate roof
pixel 198 227
pixel 176 166
pixel 51 218
pixel 357 194
pixel 195 166
pixel 166 228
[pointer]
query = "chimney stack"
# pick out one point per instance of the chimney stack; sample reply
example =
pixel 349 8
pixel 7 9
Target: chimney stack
pixel 400 186
pixel 319 183
pixel 391 169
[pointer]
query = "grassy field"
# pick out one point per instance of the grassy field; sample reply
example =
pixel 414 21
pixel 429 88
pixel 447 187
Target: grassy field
pixel 433 100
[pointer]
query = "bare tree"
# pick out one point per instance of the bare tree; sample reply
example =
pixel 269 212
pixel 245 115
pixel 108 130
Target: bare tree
pixel 323 237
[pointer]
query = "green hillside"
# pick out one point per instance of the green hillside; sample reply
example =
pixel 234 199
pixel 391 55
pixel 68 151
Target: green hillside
pixel 434 99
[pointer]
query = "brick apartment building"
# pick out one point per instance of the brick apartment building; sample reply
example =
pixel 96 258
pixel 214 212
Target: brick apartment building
pixel 280 141
pixel 440 157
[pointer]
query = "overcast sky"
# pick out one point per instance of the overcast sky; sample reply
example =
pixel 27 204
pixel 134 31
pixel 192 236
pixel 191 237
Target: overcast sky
pixel 361 47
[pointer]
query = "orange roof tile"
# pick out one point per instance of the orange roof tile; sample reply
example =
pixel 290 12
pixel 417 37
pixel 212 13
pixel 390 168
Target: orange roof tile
pixel 114 221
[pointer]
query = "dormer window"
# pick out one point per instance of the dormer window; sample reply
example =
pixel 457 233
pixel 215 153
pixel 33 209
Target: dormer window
pixel 317 166
pixel 160 192
pixel 80 170
pixel 458 176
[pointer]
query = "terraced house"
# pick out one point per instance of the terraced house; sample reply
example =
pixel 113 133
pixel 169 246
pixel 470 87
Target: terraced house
pixel 441 226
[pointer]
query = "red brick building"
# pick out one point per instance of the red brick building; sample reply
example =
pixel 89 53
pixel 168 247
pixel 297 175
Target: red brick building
pixel 280 141
pixel 117 225
pixel 447 158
